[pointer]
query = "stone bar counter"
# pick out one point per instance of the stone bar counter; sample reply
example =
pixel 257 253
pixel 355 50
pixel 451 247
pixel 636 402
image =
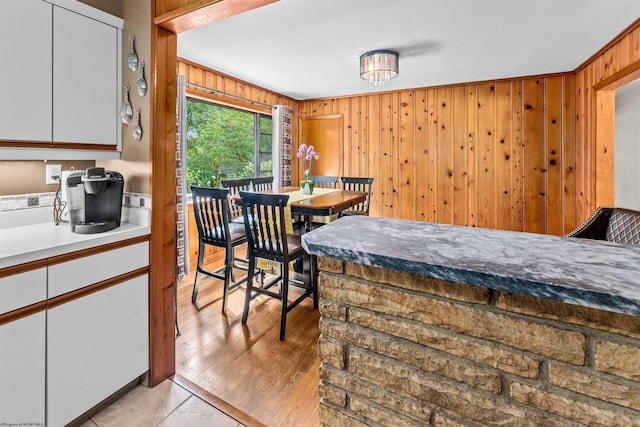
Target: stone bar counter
pixel 431 324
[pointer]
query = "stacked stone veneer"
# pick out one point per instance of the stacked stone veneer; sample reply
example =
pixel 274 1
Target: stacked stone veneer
pixel 404 350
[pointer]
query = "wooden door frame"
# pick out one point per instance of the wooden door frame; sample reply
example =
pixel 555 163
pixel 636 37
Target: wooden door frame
pixel 604 111
pixel 163 87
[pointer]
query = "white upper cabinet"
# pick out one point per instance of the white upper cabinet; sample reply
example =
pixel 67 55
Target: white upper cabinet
pixel 60 79
pixel 85 83
pixel 25 70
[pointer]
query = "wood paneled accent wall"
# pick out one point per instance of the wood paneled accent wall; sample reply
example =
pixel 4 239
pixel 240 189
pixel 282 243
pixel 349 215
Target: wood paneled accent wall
pixel 614 65
pixel 496 154
pixel 203 76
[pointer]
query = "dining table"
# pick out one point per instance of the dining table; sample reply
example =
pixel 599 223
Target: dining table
pixel 324 204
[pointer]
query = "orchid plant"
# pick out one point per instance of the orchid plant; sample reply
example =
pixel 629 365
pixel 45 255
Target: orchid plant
pixel 307 153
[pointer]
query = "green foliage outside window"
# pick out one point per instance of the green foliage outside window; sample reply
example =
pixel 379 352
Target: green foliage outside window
pixel 220 144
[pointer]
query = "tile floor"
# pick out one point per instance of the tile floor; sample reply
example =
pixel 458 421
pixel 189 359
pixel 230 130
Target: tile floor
pixel 166 405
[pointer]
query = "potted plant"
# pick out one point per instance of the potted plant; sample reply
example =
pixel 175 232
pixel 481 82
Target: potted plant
pixel 307 153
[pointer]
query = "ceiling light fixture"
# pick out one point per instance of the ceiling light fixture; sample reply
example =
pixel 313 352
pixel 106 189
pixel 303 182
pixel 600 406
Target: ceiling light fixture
pixel 379 66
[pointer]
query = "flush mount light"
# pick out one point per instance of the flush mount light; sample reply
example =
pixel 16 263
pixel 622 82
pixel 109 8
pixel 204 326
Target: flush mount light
pixel 379 66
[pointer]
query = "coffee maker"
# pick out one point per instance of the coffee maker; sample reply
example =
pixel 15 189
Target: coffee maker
pixel 95 200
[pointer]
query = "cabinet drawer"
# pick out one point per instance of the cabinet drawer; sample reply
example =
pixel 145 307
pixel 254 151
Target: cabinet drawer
pixel 78 273
pixel 23 289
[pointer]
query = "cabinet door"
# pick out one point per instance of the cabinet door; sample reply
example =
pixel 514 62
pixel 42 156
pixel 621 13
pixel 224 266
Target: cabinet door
pixel 25 70
pixel 96 345
pixel 22 371
pixel 85 74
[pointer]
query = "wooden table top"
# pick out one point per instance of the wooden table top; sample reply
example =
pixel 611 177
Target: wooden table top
pixel 329 203
pixel 324 204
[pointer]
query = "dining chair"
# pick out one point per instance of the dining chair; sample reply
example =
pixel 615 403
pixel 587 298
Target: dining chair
pixel 357 184
pixel 267 238
pixel 324 181
pixel 262 183
pixel 211 211
pixel 235 186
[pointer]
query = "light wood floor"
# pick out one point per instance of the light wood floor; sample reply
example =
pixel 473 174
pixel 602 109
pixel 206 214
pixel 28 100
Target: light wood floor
pixel 274 381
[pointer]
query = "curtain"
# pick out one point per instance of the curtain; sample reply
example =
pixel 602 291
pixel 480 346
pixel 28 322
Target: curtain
pixel 182 231
pixel 281 145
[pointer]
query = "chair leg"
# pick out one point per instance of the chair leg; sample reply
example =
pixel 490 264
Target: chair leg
pixel 194 294
pixel 247 296
pixel 228 275
pixel 285 298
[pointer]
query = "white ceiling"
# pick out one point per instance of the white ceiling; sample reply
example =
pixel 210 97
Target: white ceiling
pixel 310 48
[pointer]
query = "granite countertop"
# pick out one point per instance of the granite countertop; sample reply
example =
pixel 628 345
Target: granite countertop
pixel 590 273
pixel 28 243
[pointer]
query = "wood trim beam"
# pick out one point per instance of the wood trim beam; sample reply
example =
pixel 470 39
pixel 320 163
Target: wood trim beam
pixel 162 280
pixel 205 12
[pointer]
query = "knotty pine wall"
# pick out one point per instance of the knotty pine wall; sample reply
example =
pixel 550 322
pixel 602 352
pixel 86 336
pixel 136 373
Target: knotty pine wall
pixel 497 154
pixel 615 64
pixel 200 75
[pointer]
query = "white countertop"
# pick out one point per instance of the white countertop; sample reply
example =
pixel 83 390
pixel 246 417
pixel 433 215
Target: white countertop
pixel 23 244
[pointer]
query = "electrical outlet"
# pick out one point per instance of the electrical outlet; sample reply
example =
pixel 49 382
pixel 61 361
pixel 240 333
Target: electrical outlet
pixel 52 174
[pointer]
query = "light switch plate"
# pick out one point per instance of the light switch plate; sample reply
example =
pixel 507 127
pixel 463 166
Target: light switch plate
pixel 51 172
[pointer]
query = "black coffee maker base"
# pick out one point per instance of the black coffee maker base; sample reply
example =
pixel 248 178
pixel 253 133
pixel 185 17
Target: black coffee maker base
pixel 94 227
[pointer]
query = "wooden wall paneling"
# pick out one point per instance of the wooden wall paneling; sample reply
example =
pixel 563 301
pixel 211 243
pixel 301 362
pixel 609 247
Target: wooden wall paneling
pixel 503 143
pixel 407 164
pixel 421 156
pixel 163 198
pixel 472 156
pixel 459 154
pixel 431 124
pixel 395 165
pixel 486 155
pixel 582 179
pixel 609 62
pixel 635 46
pixel 385 175
pixel 554 92
pixel 535 192
pixel 353 164
pixel 444 130
pixel 345 110
pixel 373 150
pixel 625 51
pixel 569 154
pixel 517 157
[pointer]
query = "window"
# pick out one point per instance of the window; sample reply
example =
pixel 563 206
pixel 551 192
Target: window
pixel 225 143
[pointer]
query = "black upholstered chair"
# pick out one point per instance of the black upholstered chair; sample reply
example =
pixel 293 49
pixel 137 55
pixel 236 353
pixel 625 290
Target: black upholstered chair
pixel 211 211
pixel 324 181
pixel 357 184
pixel 267 238
pixel 235 186
pixel 262 183
pixel 617 225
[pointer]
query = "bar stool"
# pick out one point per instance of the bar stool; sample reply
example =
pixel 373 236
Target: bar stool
pixel 211 211
pixel 267 238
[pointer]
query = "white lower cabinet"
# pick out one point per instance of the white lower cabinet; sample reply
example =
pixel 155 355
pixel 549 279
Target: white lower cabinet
pixel 22 371
pixel 95 345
